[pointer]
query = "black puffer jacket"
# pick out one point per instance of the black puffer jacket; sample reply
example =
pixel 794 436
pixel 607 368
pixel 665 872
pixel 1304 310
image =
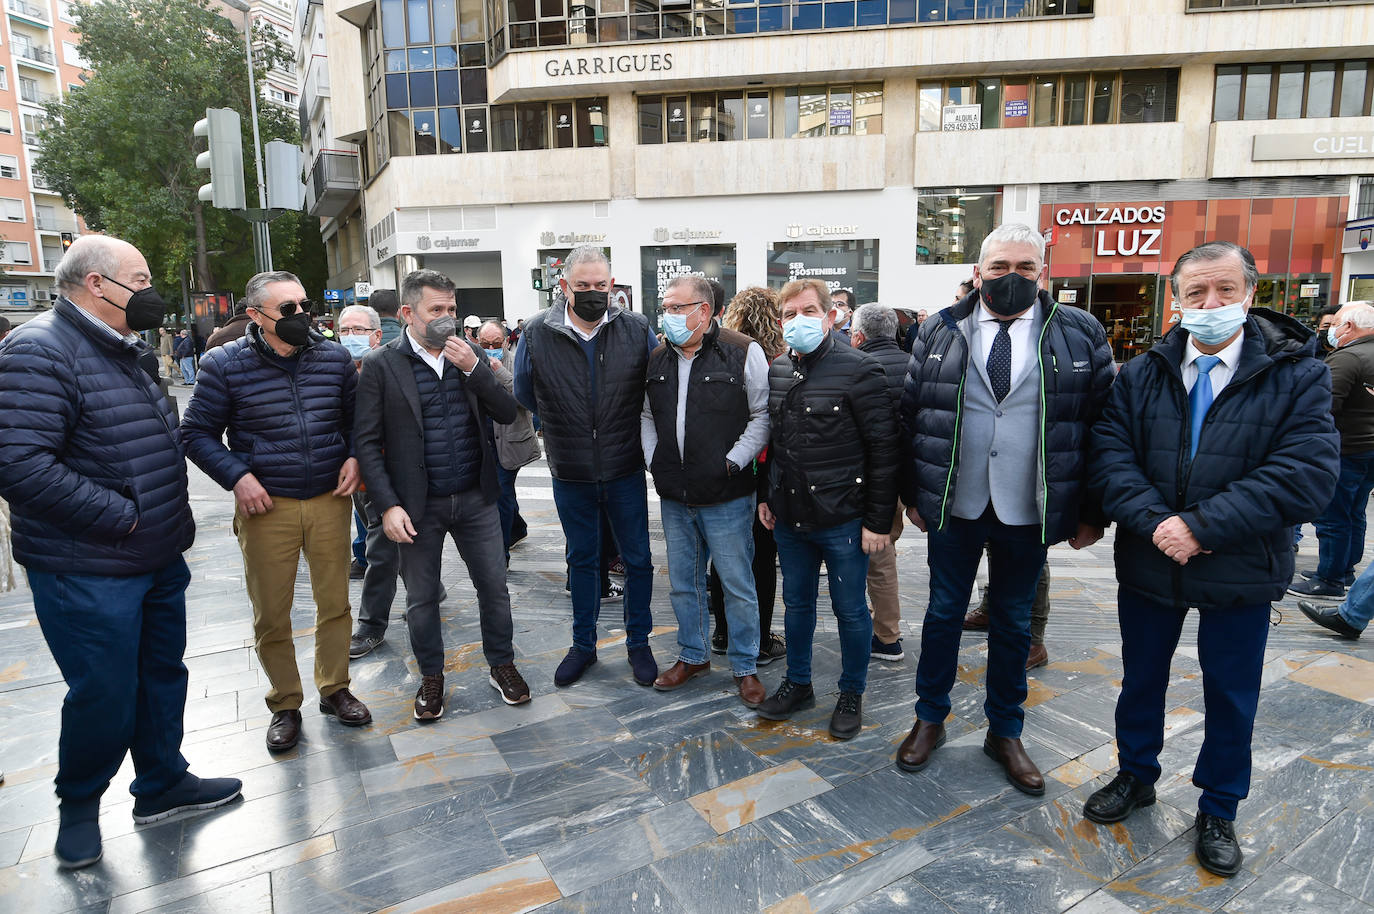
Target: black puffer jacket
pixel 1076 373
pixel 1268 458
pixel 591 433
pixel 93 466
pixel 894 361
pixel 292 430
pixel 833 451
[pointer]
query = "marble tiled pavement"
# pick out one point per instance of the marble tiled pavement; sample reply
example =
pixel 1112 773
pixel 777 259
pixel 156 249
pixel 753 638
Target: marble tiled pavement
pixel 607 797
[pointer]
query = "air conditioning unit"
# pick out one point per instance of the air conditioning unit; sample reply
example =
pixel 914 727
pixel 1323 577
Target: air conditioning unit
pixel 42 295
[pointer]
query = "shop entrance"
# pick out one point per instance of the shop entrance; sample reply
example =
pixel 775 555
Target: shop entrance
pixel 1125 304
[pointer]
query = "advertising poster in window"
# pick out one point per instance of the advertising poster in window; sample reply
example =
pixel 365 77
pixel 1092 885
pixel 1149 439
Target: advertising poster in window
pixel 839 264
pixel 962 117
pixel 662 264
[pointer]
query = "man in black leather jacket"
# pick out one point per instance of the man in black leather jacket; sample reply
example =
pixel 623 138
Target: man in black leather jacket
pixel 832 492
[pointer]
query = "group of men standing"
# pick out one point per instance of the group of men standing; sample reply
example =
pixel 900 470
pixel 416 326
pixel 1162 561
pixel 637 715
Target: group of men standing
pixel 1007 430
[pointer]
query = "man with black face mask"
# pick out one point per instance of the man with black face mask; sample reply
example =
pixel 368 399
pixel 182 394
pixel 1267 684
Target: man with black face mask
pixel 1001 392
pixel 285 395
pixel 581 367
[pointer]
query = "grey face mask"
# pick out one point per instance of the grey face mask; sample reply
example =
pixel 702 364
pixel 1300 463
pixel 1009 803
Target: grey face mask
pixel 439 330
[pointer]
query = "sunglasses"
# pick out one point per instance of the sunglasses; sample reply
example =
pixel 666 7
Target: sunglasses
pixel 288 308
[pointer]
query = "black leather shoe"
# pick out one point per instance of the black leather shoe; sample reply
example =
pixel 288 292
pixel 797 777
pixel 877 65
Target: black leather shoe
pixel 1330 619
pixel 790 698
pixel 1123 796
pixel 346 707
pixel 1217 848
pixel 848 718
pixel 284 731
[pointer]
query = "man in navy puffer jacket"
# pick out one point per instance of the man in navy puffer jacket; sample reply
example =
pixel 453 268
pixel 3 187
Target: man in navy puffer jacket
pixel 285 396
pixel 1213 445
pixel 96 482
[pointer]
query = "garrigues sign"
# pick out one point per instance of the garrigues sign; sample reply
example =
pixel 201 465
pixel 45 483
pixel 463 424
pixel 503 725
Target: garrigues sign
pixel 1312 146
pixel 609 64
pixel 1132 242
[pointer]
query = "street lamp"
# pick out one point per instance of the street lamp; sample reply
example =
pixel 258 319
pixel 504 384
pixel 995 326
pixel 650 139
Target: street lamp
pixel 262 240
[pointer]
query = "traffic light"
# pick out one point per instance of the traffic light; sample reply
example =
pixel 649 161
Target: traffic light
pixel 224 158
pixel 537 279
pixel 67 239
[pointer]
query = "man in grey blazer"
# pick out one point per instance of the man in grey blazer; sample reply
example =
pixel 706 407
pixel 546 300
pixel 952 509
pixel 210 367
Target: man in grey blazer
pixel 430 470
pixel 516 443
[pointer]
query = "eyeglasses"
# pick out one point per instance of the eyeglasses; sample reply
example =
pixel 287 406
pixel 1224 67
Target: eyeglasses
pixel 355 331
pixel 288 308
pixel 683 309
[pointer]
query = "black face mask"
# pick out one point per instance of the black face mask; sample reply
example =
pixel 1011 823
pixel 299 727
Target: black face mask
pixel 144 310
pixel 1008 294
pixel 589 305
pixel 294 330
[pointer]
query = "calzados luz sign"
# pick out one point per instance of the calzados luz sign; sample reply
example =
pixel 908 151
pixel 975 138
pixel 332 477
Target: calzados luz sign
pixel 1133 242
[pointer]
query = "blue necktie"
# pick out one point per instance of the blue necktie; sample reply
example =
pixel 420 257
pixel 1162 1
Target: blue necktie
pixel 999 362
pixel 1200 397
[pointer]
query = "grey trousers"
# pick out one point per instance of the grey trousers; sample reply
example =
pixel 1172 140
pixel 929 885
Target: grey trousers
pixel 379 581
pixel 475 526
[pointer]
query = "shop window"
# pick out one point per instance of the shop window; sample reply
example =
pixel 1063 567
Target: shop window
pixel 840 264
pixel 660 264
pixel 951 223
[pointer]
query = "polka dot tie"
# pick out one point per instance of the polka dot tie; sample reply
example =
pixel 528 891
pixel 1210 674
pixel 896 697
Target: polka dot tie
pixel 1200 397
pixel 999 362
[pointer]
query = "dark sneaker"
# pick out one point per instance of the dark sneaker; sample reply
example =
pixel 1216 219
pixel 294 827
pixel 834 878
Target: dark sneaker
pixel 720 642
pixel 643 664
pixel 617 567
pixel 507 680
pixel 1318 589
pixel 1310 573
pixel 614 591
pixel 78 835
pixel 1330 619
pixel 356 570
pixel 771 647
pixel 429 701
pixel 573 666
pixel 848 718
pixel 889 652
pixel 189 795
pixel 1217 848
pixel 1124 795
pixel 790 698
pixel 360 645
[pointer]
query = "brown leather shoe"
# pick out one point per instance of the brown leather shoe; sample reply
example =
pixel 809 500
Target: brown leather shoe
pixel 1011 755
pixel 976 620
pixel 679 674
pixel 284 731
pixel 1037 657
pixel 349 710
pixel 915 751
pixel 751 691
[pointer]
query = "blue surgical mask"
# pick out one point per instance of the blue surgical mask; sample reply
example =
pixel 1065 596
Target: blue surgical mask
pixel 1213 325
pixel 675 328
pixel 1331 337
pixel 803 333
pixel 357 346
pixel 494 353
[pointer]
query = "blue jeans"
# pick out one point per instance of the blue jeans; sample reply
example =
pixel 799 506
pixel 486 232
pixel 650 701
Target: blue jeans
pixel 1358 606
pixel 800 553
pixel 724 534
pixel 188 369
pixel 1230 645
pixel 626 503
pixel 360 541
pixel 1340 528
pixel 1015 557
pixel 118 641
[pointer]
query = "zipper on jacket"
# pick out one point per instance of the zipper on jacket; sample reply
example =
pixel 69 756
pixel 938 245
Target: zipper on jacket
pixel 300 420
pixel 954 454
pixel 1044 473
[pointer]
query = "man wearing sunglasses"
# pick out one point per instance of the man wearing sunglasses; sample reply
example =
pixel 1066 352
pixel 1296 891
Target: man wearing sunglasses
pixel 285 396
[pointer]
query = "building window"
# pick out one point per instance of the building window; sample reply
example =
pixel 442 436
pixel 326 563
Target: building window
pixel 1209 5
pixel 1048 100
pixel 1364 203
pixel 738 114
pixel 4 79
pixel 6 121
pixel 9 167
pixel 1256 92
pixel 951 223
pixel 18 252
pixel 12 209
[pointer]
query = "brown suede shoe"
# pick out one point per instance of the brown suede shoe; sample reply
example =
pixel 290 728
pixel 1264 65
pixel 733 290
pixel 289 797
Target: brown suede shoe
pixel 679 674
pixel 284 731
pixel 915 751
pixel 1037 657
pixel 1011 755
pixel 350 711
pixel 751 691
pixel 976 620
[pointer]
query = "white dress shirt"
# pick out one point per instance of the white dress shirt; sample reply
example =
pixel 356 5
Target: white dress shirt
pixel 586 335
pixel 1221 373
pixel 1020 332
pixel 437 362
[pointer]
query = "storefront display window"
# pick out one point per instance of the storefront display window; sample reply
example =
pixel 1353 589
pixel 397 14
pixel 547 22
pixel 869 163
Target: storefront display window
pixel 660 264
pixel 952 222
pixel 841 264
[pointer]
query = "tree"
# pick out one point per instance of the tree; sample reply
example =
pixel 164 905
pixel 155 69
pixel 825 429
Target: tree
pixel 120 150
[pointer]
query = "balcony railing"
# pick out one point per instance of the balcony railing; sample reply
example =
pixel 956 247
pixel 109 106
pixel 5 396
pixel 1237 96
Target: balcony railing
pixel 35 97
pixel 39 55
pixel 50 223
pixel 27 10
pixel 334 182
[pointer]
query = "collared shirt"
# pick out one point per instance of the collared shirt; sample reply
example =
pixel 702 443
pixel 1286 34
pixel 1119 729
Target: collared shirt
pixel 567 319
pixel 755 435
pixel 1221 373
pixel 131 338
pixel 437 362
pixel 1020 332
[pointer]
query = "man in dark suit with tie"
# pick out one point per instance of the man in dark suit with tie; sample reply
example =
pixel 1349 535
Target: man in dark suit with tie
pixel 424 401
pixel 1001 392
pixel 1213 445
